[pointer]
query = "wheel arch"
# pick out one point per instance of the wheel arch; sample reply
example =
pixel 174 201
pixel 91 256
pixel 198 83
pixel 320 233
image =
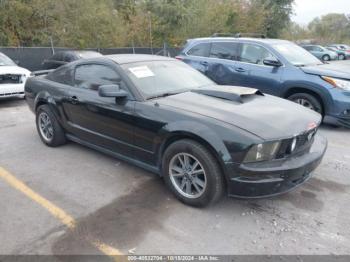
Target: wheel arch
pixel 295 90
pixel 180 135
pixel 44 98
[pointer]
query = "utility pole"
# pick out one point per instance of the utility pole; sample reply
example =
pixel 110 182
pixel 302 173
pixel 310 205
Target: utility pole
pixel 150 30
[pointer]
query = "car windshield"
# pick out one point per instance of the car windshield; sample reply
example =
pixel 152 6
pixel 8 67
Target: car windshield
pixel 296 55
pixel 162 78
pixel 6 61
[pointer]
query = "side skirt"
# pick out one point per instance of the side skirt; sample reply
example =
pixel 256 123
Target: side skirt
pixel 138 163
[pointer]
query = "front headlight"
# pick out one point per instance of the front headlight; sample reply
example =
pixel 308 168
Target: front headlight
pixel 343 84
pixel 262 152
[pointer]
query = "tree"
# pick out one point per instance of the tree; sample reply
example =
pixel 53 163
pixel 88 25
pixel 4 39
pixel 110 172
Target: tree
pixel 276 15
pixel 331 28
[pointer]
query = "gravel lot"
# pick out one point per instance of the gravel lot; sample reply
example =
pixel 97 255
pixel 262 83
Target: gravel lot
pixel 131 210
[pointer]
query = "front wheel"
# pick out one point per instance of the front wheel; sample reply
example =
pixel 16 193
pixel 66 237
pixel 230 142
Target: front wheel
pixel 308 101
pixel 192 173
pixel 326 58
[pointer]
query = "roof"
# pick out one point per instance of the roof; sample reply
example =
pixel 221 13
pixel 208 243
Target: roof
pixel 238 39
pixel 132 58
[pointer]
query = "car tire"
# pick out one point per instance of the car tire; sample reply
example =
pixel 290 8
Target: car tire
pixel 326 58
pixel 342 57
pixel 308 101
pixel 49 129
pixel 194 187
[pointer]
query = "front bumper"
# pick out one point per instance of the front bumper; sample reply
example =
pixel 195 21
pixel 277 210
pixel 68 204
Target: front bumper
pixel 10 90
pixel 264 179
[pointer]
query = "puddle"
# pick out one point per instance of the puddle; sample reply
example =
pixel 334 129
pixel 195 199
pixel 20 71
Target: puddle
pixel 123 223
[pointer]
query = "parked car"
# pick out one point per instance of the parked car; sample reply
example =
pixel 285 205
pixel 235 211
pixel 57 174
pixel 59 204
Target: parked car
pixel 202 138
pixel 341 47
pixel 342 55
pixel 12 78
pixel 321 53
pixel 276 67
pixel 63 57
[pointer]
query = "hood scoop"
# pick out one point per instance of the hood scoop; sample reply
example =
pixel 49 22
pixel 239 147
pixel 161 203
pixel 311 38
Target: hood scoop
pixel 232 93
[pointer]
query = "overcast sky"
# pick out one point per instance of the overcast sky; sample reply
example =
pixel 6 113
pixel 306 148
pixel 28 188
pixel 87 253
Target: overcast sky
pixel 306 10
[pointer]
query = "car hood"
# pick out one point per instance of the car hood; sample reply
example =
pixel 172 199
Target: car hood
pixel 336 69
pixel 4 70
pixel 265 116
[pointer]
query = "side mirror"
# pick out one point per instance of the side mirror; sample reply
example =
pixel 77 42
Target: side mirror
pixel 112 91
pixel 17 62
pixel 272 61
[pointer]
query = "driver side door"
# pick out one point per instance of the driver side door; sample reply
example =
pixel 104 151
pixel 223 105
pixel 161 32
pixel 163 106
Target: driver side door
pixel 103 121
pixel 254 73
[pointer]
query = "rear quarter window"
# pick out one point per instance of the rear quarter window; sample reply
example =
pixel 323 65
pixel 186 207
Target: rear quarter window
pixel 62 75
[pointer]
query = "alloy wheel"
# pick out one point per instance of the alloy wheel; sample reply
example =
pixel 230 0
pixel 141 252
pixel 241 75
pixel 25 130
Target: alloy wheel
pixel 187 175
pixel 305 103
pixel 45 126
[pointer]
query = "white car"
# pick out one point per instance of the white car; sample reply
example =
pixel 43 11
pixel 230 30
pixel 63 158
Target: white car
pixel 12 78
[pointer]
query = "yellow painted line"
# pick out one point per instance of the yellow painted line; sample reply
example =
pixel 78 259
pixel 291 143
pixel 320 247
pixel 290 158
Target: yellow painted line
pixel 57 212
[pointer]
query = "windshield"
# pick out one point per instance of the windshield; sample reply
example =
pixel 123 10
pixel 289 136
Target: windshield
pixel 296 55
pixel 6 61
pixel 159 78
pixel 87 54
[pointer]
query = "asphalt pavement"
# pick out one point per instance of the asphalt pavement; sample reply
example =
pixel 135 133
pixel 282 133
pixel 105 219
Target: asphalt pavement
pixel 124 208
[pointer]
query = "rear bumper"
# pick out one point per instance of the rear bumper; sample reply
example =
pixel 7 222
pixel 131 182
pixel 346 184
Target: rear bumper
pixel 9 90
pixel 275 177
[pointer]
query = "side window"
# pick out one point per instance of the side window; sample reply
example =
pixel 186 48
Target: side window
pixel 308 48
pixel 253 54
pixel 224 50
pixel 62 75
pixel 92 76
pixel 200 50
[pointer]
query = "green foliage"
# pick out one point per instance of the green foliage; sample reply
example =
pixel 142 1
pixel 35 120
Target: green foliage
pixel 330 28
pixel 113 23
pixel 276 15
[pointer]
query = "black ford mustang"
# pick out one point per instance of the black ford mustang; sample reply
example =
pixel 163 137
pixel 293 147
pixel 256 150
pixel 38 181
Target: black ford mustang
pixel 166 117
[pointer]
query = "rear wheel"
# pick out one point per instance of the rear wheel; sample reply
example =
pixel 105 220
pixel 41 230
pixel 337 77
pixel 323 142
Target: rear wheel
pixel 326 58
pixel 192 173
pixel 308 101
pixel 342 57
pixel 49 129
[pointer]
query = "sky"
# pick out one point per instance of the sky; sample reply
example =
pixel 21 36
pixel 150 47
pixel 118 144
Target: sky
pixel 306 10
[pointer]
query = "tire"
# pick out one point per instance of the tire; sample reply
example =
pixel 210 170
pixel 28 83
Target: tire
pixel 342 57
pixel 211 187
pixel 55 135
pixel 308 101
pixel 326 58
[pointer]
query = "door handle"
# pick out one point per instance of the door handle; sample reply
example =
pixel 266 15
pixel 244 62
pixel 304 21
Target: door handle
pixel 240 70
pixel 204 63
pixel 74 100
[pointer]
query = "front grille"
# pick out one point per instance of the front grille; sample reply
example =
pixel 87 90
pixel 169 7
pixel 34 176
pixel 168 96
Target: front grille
pixel 303 144
pixel 10 79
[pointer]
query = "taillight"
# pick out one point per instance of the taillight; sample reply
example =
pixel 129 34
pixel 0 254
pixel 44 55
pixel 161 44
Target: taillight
pixel 179 58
